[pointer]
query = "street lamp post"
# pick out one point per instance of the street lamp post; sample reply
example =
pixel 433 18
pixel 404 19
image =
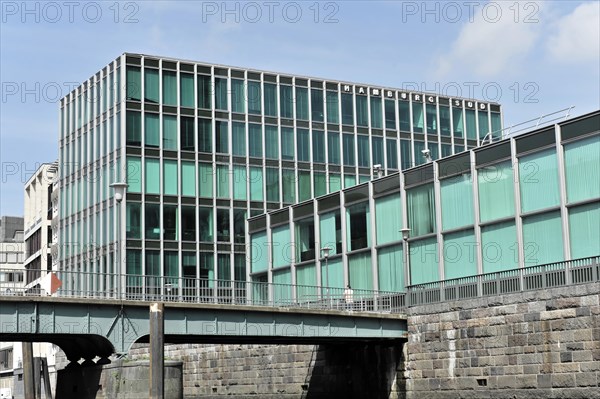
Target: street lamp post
pixel 120 188
pixel 405 235
pixel 325 251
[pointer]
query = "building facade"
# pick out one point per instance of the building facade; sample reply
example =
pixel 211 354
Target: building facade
pixel 203 147
pixel 529 200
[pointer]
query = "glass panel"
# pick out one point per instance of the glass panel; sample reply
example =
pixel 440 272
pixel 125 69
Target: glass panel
pixel 151 130
pixel 460 254
pixel 282 290
pixel 289 186
pixel 404 115
pixel 238 97
pixel 152 221
pixel 239 227
pixel 358 227
pixel 270 99
pixel 332 270
pixel 187 133
pixel 431 119
pixel 133 128
pixel 287 101
pixel 171 267
pixel 221 135
pixel 239 138
pixel 169 132
pixel 347 111
pixel 303 143
pixel 256 184
pixel 224 270
pixel 188 223
pixel 151 86
pixel 457 118
pixel 306 280
pixel 239 182
pixel 496 124
pixel 392 153
pixel 363 150
pixel 187 90
pixel 333 112
pixel 287 143
pixel 169 88
pixel 152 174
pixel 134 220
pixel 348 142
pixel 457 201
pixel 417 120
pixel 496 191
pixel 376 113
pixel 204 135
pixel 444 120
pixel 362 111
pixel 205 224
pixel 188 179
pixel 223 227
pixel 206 269
pixel 391 269
pixel 254 97
pixel 538 173
pixel 304 186
pixel 320 184
pixel 349 181
pixel 484 126
pixel 316 105
pixel 471 127
pixel 582 168
pixel 388 218
pixel 258 252
pixel 390 115
pixel 134 84
pixel 170 178
pixel 421 210
pixel 221 94
pixel 542 239
pixel 331 232
pixel 377 150
pixel 205 180
pixel 301 103
pixel 335 182
pixel 583 230
pixel 170 222
pixel 333 148
pixel 446 150
pixel 424 261
pixel 406 154
pixel 281 247
pixel 360 271
pixel 272 181
pixel 305 240
pixel 499 247
pixel 222 181
pixel 318 146
pixel 255 140
pixel 204 92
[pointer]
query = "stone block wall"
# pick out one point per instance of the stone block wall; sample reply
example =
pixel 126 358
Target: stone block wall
pixel 541 344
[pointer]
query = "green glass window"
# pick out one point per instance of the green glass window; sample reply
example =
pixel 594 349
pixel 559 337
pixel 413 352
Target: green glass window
pixel 446 150
pixel 390 115
pixel 496 124
pixel 431 118
pixel 347 111
pixel 281 246
pixel 301 103
pixel 360 271
pixel 152 174
pixel 542 239
pixel 333 148
pixel 151 86
pixel 134 128
pixel 444 120
pixel 306 281
pixel 134 84
pixel 187 90
pixel 377 150
pixel 417 119
pixel 583 230
pixel 188 223
pixel 582 168
pixel 333 271
pixel 358 227
pixel 171 267
pixel 457 201
pixel 391 269
pixel 287 101
pixel 388 218
pixel 496 191
pixel 376 113
pixel 363 150
pixel 238 137
pixel 330 229
pixel 186 130
pixel 282 290
pixel 169 88
pixel 239 228
pixel 424 261
pixel 303 143
pixel 289 186
pixel 272 182
pixel 222 181
pixel 349 181
pixel 471 126
pixel 204 135
pixel 134 266
pixel 169 132
pixel 134 221
pixel 318 146
pixel 348 143
pixel 204 92
pixel 333 112
pixel 392 153
pixel 271 142
pixel 151 130
pixel 255 140
pixel 170 177
pixel 270 99
pixel 317 105
pixel 259 256
pixel 538 173
pixel 188 179
pixel 205 224
pixel 457 119
pixel 460 254
pixel 320 184
pixel 221 135
pixel 421 210
pixel 287 143
pixel 362 111
pixel 221 94
pixel 305 240
pixel 224 268
pixel 254 97
pixel 238 97
pixel 256 184
pixel 499 247
pixel 206 271
pixel 170 222
pixel 223 226
pixel 335 182
pixel 304 192
pixel 484 126
pixel 205 180
pixel 134 175
pixel 239 182
pixel 404 115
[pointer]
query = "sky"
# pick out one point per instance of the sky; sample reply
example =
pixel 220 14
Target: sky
pixel 534 58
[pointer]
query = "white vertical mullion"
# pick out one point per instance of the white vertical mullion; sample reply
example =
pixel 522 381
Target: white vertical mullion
pixel 564 211
pixel 345 264
pixel 477 221
pixel 373 228
pixel 404 204
pixel 438 220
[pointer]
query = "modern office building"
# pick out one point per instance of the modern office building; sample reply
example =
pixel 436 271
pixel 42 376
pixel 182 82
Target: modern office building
pixel 202 147
pixel 529 200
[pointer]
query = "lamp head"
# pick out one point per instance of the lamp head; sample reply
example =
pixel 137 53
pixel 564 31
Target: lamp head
pixel 325 251
pixel 120 189
pixel 405 233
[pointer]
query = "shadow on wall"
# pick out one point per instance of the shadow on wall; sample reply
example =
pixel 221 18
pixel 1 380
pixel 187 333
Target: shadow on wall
pixel 356 371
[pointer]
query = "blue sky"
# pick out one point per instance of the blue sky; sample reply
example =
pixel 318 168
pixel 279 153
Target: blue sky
pixel 532 57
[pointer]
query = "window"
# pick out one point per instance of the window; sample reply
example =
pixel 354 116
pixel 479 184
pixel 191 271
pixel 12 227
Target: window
pixel 287 101
pixel 303 143
pixel 188 179
pixel 320 184
pixel 538 172
pixel 187 90
pixel 170 222
pixel 542 239
pixel 349 181
pixel 496 191
pixel 239 227
pixel 358 226
pixel 421 210
pixel 304 186
pixel 239 182
pixel 377 151
pixel 333 148
pixel 471 126
pixel 256 184
pixel 205 180
pixel 222 181
pixel 392 153
pixel 460 254
pixel 496 124
pixel 255 140
pixel 444 120
pixel 348 143
pixel 152 221
pixel 289 186
pixel 287 143
pixel 376 113
pixel 188 223
pixel 431 119
pixel 390 115
pixel 258 255
pixel 221 134
pixel 582 168
pixel 205 135
pixel 151 130
pixel 270 99
pixel 223 229
pixel 204 92
pixel 305 240
pixel 169 132
pixel 499 247
pixel 318 146
pixel 151 86
pixel 583 230
pixel 205 224
pixel 238 138
pixel 238 99
pixel 152 174
pixel 388 218
pixel 457 201
pixel 333 112
pixel 170 177
pixel 221 94
pixel 280 248
pixel 169 88
pixel 330 227
pixel 424 261
pixel 363 150
pixel 187 133
pixel 133 128
pixel 301 103
pixel 134 84
pixel 347 111
pixel 134 221
pixel 391 269
pixel 417 120
pixel 316 105
pixel 360 271
pixel 272 182
pixel 271 142
pixel 457 119
pixel 362 111
pixel 254 98
pixel 484 126
pixel 404 115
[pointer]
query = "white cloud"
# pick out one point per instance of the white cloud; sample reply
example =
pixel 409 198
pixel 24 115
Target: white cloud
pixel 577 38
